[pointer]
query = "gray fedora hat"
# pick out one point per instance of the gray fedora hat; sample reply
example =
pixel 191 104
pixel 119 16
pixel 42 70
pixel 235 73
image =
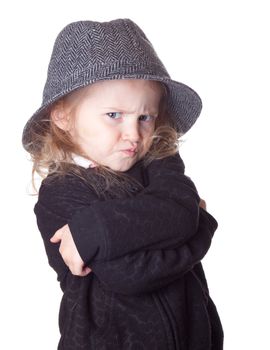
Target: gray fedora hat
pixel 88 51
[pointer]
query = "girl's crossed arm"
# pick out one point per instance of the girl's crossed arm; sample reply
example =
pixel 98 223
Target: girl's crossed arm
pixel 148 270
pixel 163 215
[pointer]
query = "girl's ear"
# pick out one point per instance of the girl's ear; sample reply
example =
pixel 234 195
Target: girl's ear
pixel 60 116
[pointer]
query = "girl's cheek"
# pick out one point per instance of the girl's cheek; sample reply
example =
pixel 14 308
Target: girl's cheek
pixel 147 143
pixel 147 128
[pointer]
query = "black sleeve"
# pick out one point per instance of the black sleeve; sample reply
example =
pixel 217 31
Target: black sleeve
pixel 165 213
pixel 148 270
pixel 58 200
pixel 48 223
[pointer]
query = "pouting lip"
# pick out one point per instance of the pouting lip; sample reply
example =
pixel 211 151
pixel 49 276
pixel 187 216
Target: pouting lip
pixel 130 150
pixel 130 153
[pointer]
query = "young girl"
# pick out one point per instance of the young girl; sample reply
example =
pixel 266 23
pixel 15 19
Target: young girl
pixel 123 227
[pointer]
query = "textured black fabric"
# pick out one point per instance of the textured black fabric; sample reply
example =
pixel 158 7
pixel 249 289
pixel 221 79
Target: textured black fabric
pixel 147 288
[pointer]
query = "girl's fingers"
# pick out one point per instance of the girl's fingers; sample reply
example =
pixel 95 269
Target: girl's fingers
pixel 55 238
pixel 85 271
pixel 202 204
pixel 80 271
pixel 69 252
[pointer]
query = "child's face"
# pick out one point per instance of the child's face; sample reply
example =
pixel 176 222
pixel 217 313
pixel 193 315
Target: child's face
pixel 115 119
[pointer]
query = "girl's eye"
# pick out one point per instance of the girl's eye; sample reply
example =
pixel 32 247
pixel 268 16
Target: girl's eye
pixel 143 117
pixel 114 115
pixel 146 118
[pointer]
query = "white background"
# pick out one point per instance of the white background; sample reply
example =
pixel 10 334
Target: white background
pixel 219 48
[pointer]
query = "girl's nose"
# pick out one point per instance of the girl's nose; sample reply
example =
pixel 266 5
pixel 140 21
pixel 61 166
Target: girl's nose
pixel 131 131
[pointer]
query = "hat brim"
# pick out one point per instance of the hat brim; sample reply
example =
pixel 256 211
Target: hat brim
pixel 184 104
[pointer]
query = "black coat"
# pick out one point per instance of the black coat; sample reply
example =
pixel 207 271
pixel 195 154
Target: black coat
pixel 147 288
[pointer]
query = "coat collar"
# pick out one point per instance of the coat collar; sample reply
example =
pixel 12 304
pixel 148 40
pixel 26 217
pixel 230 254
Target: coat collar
pixel 82 161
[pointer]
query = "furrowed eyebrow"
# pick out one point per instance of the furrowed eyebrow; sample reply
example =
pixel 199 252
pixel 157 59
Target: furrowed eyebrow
pixel 115 109
pixel 124 111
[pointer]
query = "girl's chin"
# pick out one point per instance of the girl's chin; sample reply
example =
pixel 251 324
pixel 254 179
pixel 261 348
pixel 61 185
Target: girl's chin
pixel 123 165
pixel 122 168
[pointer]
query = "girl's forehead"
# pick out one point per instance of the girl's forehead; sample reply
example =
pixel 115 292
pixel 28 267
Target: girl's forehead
pixel 121 92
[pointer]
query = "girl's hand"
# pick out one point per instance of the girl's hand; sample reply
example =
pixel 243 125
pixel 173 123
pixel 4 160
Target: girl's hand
pixel 69 252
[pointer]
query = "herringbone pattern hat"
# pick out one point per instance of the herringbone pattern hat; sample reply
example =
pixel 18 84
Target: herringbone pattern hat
pixel 88 51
